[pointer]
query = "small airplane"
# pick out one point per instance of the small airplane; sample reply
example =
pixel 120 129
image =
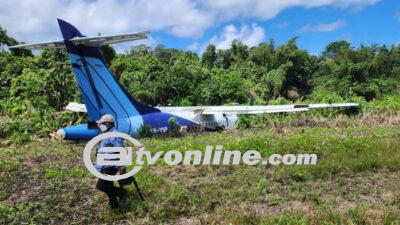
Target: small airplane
pixel 103 94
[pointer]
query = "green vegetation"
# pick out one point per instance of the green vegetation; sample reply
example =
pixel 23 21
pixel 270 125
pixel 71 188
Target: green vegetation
pixel 355 181
pixel 34 89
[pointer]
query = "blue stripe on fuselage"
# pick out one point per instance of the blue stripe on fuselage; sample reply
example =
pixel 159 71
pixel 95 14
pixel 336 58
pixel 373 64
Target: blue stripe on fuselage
pixel 159 121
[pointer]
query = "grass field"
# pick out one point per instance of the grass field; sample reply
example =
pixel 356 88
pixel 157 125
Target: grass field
pixel 356 181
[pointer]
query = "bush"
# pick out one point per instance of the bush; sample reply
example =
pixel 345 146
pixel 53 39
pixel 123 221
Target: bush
pixel 384 103
pixel 26 119
pixel 367 90
pixel 244 121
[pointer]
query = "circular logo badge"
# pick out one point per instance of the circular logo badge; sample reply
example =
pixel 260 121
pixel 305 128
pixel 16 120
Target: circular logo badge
pixel 92 144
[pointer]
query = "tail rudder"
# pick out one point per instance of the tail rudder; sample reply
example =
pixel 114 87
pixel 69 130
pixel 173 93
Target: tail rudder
pixel 101 92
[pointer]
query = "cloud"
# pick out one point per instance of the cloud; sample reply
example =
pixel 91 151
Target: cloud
pixel 249 35
pixel 35 20
pixel 323 27
pixel 282 25
pixel 193 47
pixel 38 17
pixel 126 46
pixel 267 9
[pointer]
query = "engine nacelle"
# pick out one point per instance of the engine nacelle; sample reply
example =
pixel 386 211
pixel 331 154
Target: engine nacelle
pixel 79 132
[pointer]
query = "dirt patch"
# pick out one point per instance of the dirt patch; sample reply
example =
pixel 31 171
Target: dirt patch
pixel 308 122
pixel 282 130
pixel 374 214
pixel 304 208
pixel 390 197
pixel 263 209
pixel 260 209
pixel 342 206
pixel 365 119
pixel 176 172
pixel 382 119
pixel 188 221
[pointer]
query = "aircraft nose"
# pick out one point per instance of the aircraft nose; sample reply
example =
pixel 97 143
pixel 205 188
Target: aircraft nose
pixel 60 133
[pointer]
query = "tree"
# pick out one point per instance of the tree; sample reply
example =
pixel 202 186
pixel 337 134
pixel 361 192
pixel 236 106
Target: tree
pixel 224 58
pixel 209 56
pixel 273 82
pixel 239 51
pixel 299 66
pixel 6 40
pixel 108 53
pixel 338 51
pixel 224 87
pixel 262 54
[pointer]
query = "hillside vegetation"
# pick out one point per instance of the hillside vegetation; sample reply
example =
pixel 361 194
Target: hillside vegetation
pixel 35 88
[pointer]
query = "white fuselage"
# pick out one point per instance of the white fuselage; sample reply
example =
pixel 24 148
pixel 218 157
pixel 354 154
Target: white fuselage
pixel 213 121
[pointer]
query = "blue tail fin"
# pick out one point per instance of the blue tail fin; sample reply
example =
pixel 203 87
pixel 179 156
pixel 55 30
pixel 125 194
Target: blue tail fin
pixel 101 92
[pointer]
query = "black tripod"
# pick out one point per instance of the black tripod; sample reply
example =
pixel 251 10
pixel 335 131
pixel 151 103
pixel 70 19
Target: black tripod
pixel 129 180
pixel 137 188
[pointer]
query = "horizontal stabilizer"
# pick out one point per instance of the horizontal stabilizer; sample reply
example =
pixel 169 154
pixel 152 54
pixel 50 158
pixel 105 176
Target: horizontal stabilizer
pixel 106 40
pixel 87 41
pixel 41 45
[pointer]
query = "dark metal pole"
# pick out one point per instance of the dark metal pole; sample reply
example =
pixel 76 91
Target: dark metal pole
pixel 137 188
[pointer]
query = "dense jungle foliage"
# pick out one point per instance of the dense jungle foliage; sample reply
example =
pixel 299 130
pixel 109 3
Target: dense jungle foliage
pixel 35 88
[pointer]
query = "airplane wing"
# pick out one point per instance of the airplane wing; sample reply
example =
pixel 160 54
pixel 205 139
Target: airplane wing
pixel 209 110
pixel 41 45
pixel 257 109
pixel 106 40
pixel 88 41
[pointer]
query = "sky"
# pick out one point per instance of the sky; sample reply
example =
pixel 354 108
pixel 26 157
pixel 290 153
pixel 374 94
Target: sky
pixel 193 24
